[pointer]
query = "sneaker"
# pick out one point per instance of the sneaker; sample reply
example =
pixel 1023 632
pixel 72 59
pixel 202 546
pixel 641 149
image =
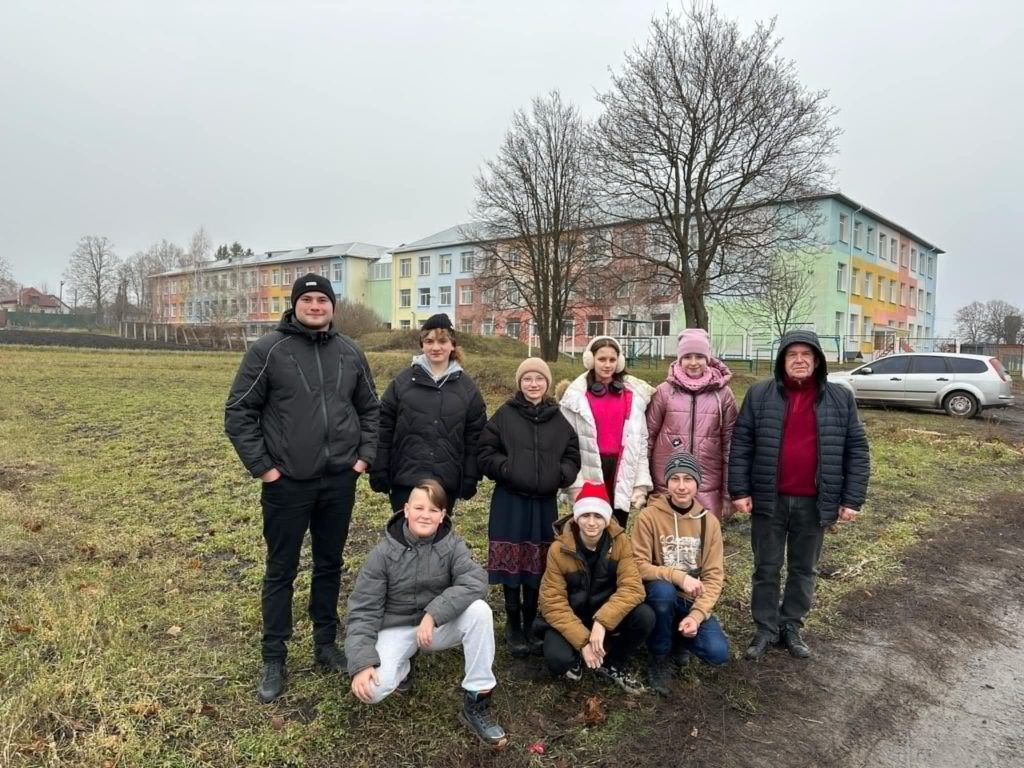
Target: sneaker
pixel 575 672
pixel 793 643
pixel 272 681
pixel 659 672
pixel 476 713
pixel 330 656
pixel 758 647
pixel 621 678
pixel 407 682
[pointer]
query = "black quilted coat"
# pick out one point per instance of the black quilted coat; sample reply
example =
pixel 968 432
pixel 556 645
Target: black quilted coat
pixel 430 429
pixel 843 461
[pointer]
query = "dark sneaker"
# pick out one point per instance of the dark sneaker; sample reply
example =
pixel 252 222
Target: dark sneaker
pixel 575 672
pixel 272 681
pixel 515 639
pixel 758 647
pixel 680 653
pixel 621 678
pixel 407 682
pixel 793 643
pixel 659 673
pixel 476 713
pixel 330 656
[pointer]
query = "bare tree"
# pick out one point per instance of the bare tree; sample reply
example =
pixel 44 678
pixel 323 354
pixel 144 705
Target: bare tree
pixel 93 270
pixel 785 298
pixel 8 285
pixel 970 320
pixel 710 137
pixel 532 206
pixel 1000 323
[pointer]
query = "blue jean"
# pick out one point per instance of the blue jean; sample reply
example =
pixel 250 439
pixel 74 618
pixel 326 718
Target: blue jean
pixel 710 644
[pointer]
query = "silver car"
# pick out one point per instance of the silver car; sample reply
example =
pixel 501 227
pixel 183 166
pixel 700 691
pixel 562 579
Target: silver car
pixel 960 384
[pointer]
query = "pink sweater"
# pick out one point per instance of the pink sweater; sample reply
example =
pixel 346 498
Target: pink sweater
pixel 610 413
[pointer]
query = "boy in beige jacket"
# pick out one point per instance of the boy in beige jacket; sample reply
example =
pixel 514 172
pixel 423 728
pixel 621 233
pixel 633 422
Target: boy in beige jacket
pixel 678 550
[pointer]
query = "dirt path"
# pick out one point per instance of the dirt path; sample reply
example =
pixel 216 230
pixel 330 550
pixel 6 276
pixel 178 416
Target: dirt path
pixel 929 672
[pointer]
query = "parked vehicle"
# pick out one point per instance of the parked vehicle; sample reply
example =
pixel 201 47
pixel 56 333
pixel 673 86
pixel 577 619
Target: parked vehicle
pixel 962 385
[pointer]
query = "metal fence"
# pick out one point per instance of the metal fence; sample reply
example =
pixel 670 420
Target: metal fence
pixel 1010 355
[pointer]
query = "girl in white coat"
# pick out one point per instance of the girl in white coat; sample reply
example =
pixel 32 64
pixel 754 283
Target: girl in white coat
pixel 607 407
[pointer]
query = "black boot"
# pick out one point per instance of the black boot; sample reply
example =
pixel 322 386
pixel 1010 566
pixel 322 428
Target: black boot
pixel 272 681
pixel 793 643
pixel 659 675
pixel 330 656
pixel 476 713
pixel 514 636
pixel 759 645
pixel 534 642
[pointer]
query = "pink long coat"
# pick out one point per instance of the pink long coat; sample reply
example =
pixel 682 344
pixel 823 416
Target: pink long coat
pixel 697 418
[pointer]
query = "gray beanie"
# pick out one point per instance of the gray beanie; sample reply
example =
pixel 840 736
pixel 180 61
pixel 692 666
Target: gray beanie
pixel 683 462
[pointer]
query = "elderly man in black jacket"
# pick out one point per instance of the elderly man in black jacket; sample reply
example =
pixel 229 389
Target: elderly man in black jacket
pixel 799 462
pixel 302 415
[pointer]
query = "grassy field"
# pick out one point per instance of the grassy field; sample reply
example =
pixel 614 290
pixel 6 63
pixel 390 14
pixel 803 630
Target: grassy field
pixel 131 561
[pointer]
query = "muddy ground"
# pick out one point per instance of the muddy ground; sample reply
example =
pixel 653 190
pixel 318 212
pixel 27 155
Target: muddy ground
pixel 929 672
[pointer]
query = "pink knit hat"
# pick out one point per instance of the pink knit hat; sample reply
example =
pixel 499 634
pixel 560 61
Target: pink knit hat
pixel 592 498
pixel 694 341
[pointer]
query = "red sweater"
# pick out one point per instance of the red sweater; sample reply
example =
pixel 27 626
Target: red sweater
pixel 798 458
pixel 610 413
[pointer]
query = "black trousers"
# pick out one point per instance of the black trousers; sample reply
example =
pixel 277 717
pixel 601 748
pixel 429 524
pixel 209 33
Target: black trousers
pixel 323 506
pixel 400 494
pixel 619 645
pixel 792 532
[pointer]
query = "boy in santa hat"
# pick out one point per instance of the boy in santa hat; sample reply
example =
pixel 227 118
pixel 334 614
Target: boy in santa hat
pixel 591 595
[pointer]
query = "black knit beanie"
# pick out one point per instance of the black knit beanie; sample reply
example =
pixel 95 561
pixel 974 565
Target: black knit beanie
pixel 440 320
pixel 312 282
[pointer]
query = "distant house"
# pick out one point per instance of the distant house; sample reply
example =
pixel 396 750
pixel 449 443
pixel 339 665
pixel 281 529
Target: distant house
pixel 35 301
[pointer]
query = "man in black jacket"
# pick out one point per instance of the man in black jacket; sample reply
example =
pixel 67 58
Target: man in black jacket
pixel 799 462
pixel 302 415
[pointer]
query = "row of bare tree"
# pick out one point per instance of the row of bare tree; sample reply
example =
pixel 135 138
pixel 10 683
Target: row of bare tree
pixel 693 178
pixel 994 321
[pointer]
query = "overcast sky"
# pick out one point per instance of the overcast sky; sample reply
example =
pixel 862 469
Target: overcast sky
pixel 284 124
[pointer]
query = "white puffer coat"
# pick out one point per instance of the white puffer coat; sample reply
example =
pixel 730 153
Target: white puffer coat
pixel 634 471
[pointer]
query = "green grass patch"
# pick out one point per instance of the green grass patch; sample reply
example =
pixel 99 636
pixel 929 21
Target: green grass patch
pixel 131 558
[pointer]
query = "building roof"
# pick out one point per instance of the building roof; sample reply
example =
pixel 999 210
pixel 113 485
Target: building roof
pixel 24 299
pixel 467 234
pixel 460 234
pixel 355 250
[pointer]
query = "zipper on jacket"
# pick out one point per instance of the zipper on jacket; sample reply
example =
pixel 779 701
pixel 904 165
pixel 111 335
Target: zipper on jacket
pixel 536 453
pixel 323 404
pixel 693 424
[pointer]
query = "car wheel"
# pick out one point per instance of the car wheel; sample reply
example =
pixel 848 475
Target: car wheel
pixel 963 405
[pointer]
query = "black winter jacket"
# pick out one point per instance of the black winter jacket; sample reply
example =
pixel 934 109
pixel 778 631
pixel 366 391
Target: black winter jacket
pixel 530 449
pixel 304 402
pixel 843 459
pixel 430 429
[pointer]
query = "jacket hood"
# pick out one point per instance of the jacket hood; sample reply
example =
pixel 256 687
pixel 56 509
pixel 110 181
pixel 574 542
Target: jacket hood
pixel 810 338
pixel 421 361
pixel 661 503
pixel 545 410
pixel 394 529
pixel 291 326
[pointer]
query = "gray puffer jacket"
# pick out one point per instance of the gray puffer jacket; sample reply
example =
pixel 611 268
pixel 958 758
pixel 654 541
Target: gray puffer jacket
pixel 843 459
pixel 402 580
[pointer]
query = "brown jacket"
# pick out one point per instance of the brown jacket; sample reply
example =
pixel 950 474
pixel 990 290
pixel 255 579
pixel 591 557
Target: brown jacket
pixel 571 598
pixel 665 542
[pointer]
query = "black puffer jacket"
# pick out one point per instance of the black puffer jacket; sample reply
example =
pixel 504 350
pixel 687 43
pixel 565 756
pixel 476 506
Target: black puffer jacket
pixel 843 460
pixel 430 429
pixel 530 449
pixel 304 402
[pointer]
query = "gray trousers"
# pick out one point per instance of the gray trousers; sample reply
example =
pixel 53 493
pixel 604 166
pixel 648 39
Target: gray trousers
pixel 473 629
pixel 793 533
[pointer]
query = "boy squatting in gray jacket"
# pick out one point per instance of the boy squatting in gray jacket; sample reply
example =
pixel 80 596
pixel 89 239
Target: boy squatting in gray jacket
pixel 421 590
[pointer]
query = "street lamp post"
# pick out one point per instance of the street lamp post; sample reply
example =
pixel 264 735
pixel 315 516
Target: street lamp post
pixel 60 299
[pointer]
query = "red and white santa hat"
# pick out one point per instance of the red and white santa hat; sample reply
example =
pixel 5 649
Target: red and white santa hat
pixel 592 498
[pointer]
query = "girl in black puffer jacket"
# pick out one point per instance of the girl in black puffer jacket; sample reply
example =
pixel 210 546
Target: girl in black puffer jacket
pixel 530 451
pixel 430 422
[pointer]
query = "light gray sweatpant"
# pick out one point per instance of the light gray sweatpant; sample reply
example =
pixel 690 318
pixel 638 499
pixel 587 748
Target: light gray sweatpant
pixel 473 629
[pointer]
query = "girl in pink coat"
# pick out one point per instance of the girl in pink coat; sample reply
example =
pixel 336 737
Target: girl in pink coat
pixel 694 411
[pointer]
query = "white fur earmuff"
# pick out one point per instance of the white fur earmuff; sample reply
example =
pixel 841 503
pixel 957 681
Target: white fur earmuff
pixel 588 354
